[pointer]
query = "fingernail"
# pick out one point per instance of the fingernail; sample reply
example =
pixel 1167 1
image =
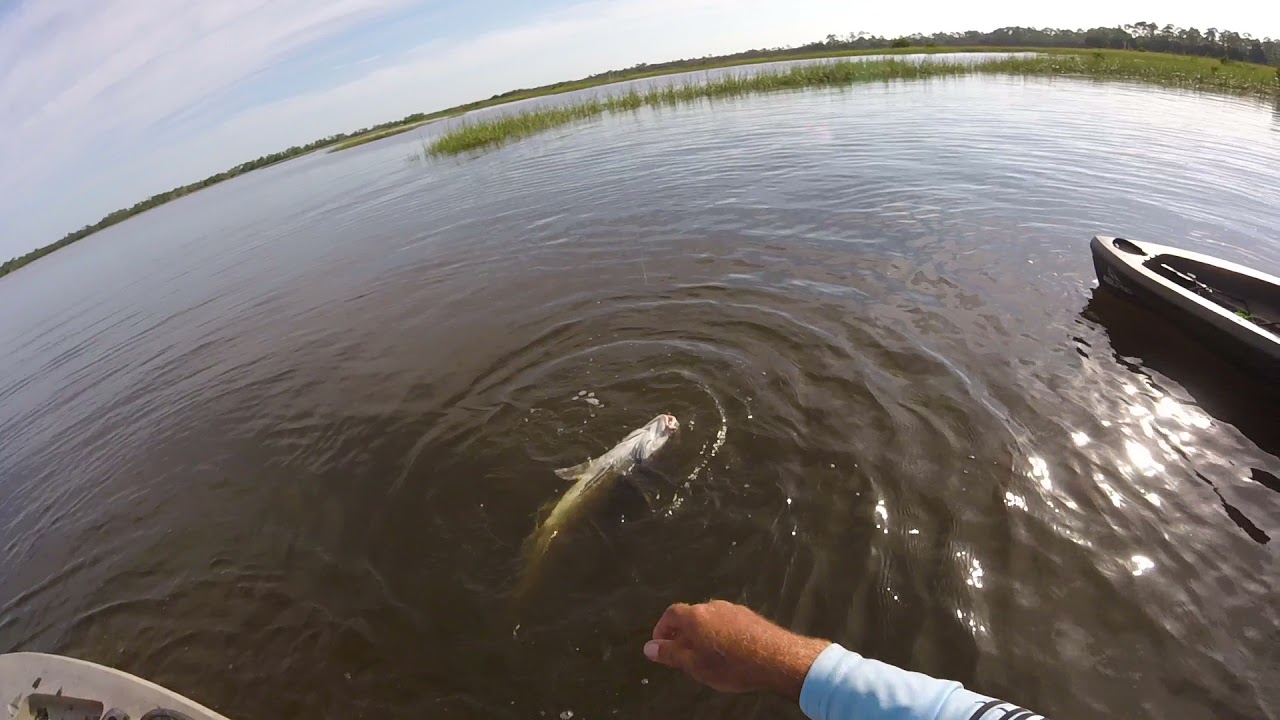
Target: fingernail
pixel 651 650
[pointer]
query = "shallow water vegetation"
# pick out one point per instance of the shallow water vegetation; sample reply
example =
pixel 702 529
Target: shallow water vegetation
pixel 1170 70
pixel 495 131
pixel 1196 73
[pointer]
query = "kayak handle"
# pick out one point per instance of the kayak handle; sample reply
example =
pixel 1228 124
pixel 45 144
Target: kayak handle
pixel 1128 247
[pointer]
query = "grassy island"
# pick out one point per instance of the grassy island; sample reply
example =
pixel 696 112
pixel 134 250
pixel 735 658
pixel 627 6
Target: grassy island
pixel 1196 73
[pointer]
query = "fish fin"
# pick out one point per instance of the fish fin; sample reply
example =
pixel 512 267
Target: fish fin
pixel 641 490
pixel 572 474
pixel 650 484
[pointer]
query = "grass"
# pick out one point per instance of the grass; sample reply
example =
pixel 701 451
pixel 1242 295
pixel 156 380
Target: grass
pixel 1191 72
pixel 503 129
pixel 718 64
pixel 1186 71
pixel 623 75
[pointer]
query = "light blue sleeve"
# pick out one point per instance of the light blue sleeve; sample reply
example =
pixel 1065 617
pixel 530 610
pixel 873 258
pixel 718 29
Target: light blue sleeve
pixel 843 685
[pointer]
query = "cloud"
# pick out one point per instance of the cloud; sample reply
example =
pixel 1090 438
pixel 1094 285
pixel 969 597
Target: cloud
pixel 94 80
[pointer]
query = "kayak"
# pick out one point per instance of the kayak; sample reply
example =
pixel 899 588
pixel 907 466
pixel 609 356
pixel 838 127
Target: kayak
pixel 1233 308
pixel 51 687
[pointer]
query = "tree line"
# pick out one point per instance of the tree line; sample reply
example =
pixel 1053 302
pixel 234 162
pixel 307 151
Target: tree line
pixel 1142 36
pixel 1146 36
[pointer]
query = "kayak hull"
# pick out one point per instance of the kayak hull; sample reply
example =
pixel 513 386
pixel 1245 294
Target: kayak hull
pixel 1158 277
pixel 39 686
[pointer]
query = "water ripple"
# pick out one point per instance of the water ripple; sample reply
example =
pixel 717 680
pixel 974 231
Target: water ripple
pixel 305 439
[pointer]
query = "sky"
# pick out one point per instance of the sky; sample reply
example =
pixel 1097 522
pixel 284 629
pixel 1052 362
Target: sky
pixel 106 102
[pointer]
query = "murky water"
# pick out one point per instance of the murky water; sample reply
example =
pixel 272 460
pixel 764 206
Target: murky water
pixel 277 445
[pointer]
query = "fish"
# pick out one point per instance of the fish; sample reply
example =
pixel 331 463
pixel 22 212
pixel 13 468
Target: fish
pixel 591 482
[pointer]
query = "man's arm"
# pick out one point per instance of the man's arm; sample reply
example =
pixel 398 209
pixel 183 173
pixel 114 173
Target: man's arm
pixel 732 649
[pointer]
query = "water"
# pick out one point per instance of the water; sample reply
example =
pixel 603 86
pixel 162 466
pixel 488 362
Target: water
pixel 276 445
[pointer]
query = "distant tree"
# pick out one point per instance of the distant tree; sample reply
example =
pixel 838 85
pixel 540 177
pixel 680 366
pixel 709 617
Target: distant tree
pixel 1257 54
pixel 901 43
pixel 1097 38
pixel 1191 40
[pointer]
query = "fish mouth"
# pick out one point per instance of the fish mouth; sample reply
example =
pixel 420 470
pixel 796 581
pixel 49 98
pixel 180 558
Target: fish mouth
pixel 670 423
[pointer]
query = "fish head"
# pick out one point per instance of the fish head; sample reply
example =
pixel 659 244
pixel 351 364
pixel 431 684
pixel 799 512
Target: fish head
pixel 654 435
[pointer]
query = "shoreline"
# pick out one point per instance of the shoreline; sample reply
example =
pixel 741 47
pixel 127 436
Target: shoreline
pixel 626 76
pixel 1190 71
pixel 1187 72
pixel 367 138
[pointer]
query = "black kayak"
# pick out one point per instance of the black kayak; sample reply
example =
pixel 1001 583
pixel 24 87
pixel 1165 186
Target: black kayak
pixel 1234 308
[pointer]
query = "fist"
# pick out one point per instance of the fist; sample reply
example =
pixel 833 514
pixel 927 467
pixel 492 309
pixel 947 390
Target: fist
pixel 731 649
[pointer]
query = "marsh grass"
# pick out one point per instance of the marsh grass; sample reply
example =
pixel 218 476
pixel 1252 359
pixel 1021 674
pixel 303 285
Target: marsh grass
pixel 1169 70
pixel 1186 71
pixel 499 130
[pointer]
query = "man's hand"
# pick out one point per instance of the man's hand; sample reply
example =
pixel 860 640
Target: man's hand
pixel 731 649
